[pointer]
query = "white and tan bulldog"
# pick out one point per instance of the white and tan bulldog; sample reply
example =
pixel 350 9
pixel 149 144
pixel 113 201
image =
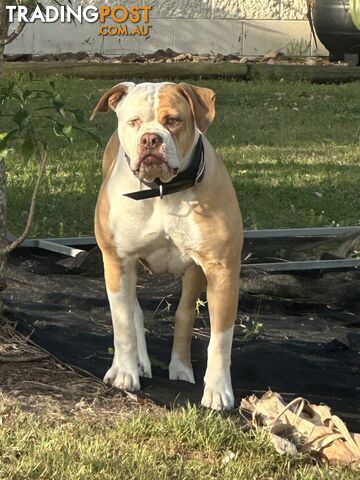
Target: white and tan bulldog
pixel 167 200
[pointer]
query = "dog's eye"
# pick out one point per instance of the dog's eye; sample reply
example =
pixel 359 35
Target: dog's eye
pixel 134 122
pixel 171 121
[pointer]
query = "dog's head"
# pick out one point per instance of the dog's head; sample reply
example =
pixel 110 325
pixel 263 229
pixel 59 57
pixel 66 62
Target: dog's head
pixel 159 124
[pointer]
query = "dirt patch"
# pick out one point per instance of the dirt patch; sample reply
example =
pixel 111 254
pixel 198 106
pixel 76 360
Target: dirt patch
pixel 40 384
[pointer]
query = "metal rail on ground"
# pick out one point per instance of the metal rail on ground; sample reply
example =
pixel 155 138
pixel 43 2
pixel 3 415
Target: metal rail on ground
pixel 283 267
pixel 300 232
pixel 249 234
pixel 65 246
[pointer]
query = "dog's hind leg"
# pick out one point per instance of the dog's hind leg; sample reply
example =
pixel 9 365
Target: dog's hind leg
pixel 193 283
pixel 144 362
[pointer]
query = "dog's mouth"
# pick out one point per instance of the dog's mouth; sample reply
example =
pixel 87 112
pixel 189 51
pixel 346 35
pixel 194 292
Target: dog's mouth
pixel 153 166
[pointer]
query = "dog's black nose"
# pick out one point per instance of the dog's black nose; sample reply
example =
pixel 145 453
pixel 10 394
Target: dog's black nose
pixel 151 141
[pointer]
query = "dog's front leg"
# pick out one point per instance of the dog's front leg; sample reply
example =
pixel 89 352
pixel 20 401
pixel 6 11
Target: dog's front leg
pixel 120 281
pixel 222 296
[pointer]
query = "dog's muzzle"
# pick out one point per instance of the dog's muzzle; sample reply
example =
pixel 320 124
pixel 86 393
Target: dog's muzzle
pixel 151 161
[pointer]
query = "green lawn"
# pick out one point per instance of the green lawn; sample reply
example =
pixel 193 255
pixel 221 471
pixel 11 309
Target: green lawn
pixel 186 444
pixel 293 150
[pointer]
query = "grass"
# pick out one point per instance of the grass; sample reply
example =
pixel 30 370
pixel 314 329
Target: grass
pixel 185 444
pixel 292 149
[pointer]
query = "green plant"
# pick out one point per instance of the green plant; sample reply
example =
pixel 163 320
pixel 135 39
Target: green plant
pixel 250 328
pixel 199 304
pixel 34 112
pixel 37 110
pixel 298 48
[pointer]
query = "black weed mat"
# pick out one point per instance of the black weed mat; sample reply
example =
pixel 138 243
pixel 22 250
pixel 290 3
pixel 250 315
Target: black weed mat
pixel 305 347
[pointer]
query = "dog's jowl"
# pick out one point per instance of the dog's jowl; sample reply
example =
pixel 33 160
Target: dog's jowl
pixel 167 199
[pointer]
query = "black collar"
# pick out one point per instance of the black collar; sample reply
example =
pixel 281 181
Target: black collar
pixel 184 180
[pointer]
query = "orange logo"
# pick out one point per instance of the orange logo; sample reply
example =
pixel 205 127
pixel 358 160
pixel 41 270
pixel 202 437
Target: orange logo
pixel 137 18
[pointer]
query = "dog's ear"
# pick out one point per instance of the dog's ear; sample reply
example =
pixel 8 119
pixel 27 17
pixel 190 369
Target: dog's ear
pixel 202 103
pixel 112 97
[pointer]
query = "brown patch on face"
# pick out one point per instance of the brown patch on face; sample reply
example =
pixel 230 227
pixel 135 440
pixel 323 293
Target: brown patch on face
pixel 202 103
pixel 175 114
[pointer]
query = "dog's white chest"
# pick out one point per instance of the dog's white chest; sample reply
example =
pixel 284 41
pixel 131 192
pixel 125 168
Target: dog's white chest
pixel 160 232
pixel 167 259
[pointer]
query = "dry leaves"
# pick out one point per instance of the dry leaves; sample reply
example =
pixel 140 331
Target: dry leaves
pixel 302 427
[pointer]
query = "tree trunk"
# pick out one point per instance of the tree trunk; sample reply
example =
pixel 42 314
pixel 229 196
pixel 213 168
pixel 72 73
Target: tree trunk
pixel 3 231
pixel 4 25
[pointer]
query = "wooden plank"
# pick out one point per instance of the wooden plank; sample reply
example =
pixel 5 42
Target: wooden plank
pixel 119 71
pixel 187 70
pixel 311 73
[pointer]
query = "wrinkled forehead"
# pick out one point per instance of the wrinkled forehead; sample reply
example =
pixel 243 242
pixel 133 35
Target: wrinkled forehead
pixel 150 101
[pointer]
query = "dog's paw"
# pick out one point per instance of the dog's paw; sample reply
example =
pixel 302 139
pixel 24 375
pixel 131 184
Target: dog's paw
pixel 218 400
pixel 124 380
pixel 145 367
pixel 179 371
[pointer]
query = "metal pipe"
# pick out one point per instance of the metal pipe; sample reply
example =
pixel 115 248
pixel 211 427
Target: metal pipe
pixel 249 234
pixel 348 263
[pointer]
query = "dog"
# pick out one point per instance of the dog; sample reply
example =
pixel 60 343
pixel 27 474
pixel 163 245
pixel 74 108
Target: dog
pixel 167 200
